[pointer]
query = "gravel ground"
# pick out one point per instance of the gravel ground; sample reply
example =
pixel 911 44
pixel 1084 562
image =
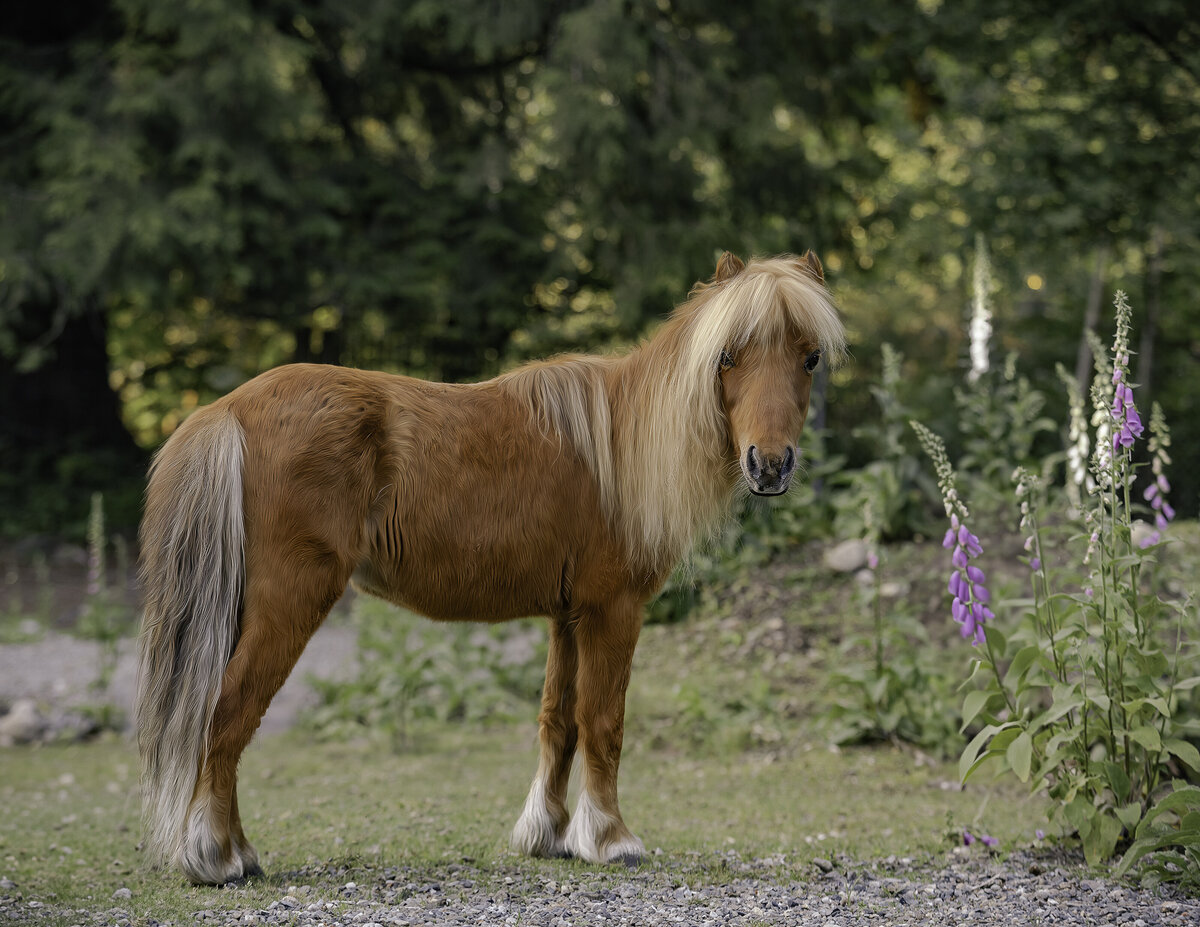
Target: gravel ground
pixel 1026 888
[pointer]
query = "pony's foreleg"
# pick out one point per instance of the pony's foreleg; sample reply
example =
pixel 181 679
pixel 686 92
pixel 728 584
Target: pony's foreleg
pixel 541 829
pixel 281 613
pixel 605 641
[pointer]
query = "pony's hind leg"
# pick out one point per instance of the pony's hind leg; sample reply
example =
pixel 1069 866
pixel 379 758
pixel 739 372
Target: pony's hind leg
pixel 605 642
pixel 541 829
pixel 282 610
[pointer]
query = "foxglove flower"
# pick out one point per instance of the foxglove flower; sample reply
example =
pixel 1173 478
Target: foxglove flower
pixel 1156 492
pixel 970 595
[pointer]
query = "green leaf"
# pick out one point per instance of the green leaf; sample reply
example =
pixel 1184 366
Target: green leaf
pixel 966 762
pixel 972 705
pixel 1080 813
pixel 1184 751
pixel 1129 815
pixel 1022 661
pixel 1020 755
pixel 1146 736
pixel 1101 839
pixel 1156 702
pixel 1118 781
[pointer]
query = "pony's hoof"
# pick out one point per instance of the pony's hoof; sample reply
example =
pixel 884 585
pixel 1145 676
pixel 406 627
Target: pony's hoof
pixel 628 860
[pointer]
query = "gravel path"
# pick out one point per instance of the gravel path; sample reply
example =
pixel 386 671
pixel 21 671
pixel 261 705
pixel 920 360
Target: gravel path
pixel 1022 889
pixel 58 669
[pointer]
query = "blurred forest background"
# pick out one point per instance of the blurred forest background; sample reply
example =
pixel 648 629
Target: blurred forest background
pixel 192 192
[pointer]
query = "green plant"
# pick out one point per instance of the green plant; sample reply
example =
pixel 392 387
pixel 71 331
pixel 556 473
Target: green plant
pixel 1000 419
pixel 412 671
pixel 1168 839
pixel 893 483
pixel 1081 696
pixel 900 690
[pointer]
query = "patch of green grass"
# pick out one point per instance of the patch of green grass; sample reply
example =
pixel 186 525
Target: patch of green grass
pixel 319 813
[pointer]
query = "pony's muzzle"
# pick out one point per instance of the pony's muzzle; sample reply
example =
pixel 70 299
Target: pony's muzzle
pixel 769 474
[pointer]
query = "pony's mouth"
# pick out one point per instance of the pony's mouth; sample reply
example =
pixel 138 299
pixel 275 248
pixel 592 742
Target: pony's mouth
pixel 777 490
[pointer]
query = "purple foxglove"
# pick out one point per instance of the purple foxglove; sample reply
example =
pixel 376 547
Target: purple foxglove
pixel 959 558
pixel 948 540
pixel 974 574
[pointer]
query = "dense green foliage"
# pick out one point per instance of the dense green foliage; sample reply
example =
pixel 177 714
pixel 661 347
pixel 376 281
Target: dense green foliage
pixel 190 193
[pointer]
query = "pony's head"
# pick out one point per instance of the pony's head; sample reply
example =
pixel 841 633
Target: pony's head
pixel 769 326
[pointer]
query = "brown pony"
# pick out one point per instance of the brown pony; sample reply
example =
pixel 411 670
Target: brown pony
pixel 568 488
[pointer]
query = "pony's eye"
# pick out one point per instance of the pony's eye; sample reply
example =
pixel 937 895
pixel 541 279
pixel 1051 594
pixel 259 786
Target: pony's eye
pixel 810 362
pixel 726 361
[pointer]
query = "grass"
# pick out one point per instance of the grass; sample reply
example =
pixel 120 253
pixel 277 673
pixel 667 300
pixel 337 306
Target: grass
pixel 325 814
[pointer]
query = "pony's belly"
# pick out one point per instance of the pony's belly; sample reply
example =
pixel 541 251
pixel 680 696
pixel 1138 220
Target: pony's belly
pixel 478 591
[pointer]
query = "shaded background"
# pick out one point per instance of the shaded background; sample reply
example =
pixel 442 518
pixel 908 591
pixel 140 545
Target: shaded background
pixel 193 192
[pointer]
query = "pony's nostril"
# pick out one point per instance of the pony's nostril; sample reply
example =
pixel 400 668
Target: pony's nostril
pixel 753 463
pixel 789 463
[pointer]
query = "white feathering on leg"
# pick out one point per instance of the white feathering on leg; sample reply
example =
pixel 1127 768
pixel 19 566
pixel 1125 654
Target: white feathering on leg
pixel 587 828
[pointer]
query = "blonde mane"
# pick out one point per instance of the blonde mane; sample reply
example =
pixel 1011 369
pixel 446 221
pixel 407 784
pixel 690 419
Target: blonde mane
pixel 650 424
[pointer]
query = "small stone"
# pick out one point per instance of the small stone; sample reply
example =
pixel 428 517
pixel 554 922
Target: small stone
pixel 289 901
pixel 23 724
pixel 122 892
pixel 7 884
pixel 846 557
pixel 823 864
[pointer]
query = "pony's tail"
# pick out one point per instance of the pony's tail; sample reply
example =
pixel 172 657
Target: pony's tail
pixel 193 574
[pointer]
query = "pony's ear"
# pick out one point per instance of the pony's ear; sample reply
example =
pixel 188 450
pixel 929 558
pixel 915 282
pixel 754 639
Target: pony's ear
pixel 811 265
pixel 728 265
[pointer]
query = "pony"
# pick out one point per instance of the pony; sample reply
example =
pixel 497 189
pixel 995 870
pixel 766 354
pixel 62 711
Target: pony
pixel 568 488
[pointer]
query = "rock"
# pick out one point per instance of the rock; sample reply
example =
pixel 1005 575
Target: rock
pixel 846 557
pixel 1142 534
pixel 23 724
pixel 823 864
pixel 7 884
pixel 122 892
